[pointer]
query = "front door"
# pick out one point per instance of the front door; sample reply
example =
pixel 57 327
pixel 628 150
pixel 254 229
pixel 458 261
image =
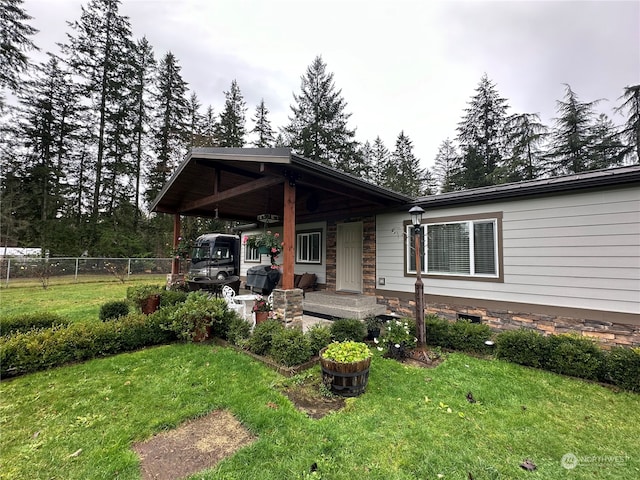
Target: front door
pixel 349 257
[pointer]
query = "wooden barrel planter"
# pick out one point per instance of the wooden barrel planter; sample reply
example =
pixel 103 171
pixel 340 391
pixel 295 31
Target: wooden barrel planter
pixel 345 379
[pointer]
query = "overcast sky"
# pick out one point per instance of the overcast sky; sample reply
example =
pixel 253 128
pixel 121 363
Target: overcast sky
pixel 401 65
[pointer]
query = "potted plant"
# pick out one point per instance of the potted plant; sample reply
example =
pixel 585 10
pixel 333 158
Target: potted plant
pixel 268 243
pixel 146 297
pixel 262 308
pixel 373 327
pixel 194 318
pixel 398 337
pixel 345 367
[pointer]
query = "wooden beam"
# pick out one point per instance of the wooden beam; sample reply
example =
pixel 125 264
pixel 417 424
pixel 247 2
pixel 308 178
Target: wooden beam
pixel 289 234
pixel 238 191
pixel 175 263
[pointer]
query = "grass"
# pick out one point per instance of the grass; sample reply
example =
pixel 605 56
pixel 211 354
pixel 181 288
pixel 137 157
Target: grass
pixel 76 301
pixel 410 424
pixel 401 428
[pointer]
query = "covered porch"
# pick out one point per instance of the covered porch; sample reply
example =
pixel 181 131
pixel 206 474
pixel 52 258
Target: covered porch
pixel 245 184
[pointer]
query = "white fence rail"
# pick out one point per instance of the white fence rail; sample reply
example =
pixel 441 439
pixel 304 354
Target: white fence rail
pixel 43 269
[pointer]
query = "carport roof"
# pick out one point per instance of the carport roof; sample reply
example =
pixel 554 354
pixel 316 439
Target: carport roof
pixel 242 183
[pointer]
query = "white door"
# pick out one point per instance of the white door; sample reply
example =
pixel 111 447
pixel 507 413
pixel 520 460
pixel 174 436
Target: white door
pixel 349 257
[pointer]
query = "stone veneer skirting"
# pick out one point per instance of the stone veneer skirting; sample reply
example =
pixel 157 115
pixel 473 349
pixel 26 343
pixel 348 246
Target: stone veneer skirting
pixel 608 328
pixel 287 305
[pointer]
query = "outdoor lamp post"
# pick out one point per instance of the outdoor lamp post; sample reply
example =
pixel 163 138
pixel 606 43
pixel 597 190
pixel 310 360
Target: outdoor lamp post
pixel 416 219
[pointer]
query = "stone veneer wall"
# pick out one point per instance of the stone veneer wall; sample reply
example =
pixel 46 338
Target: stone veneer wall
pixel 368 253
pixel 288 306
pixel 607 333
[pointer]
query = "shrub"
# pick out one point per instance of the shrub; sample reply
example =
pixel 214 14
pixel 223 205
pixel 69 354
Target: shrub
pixel 319 337
pixel 260 341
pixel 623 367
pixel 398 336
pixel 289 346
pixel 469 337
pixel 139 294
pixel 196 313
pixel 172 297
pixel 112 310
pixel 239 331
pixel 40 349
pixel 437 330
pixel 30 321
pixel 525 347
pixel 345 329
pixel 575 356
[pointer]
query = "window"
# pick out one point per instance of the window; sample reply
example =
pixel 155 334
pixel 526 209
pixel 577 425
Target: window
pixel 457 248
pixel 251 255
pixel 308 247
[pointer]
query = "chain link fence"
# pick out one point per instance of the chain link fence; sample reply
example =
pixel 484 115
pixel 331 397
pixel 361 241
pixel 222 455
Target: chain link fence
pixel 45 270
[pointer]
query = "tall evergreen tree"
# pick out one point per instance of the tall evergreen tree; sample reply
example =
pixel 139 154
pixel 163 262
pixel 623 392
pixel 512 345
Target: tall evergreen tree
pixel 608 150
pixel 144 69
pixel 379 160
pixel 481 135
pixel 318 128
pixel 15 42
pixel 230 130
pixel 98 52
pixel 403 173
pixel 631 128
pixel 171 128
pixel 195 119
pixel 209 122
pixel 571 148
pixel 262 129
pixel 447 166
pixel 525 136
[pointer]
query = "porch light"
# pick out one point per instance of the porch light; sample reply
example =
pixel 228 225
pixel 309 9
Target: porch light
pixel 416 220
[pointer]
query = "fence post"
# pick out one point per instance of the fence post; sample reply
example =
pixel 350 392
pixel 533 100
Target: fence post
pixel 8 269
pixel 129 270
pixel 77 260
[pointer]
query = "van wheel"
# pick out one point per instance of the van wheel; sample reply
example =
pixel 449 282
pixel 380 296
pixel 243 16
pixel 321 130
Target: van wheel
pixel 221 276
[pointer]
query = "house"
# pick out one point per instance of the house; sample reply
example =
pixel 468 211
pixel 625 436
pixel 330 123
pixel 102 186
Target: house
pixel 556 255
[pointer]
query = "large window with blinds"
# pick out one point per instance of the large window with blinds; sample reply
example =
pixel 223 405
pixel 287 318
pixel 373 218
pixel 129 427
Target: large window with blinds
pixel 466 248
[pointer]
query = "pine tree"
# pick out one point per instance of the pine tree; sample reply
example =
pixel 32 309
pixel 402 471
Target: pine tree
pixel 631 129
pixel 447 166
pixel 171 123
pixel 318 128
pixel 481 136
pixel 262 128
pixel 230 130
pixel 571 148
pixel 403 173
pixel 525 137
pixel 366 154
pixel 14 43
pixel 209 123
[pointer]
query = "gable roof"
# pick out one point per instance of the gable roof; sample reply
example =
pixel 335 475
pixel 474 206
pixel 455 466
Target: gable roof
pixel 241 183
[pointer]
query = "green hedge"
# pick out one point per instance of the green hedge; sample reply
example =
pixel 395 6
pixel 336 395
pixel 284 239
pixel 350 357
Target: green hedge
pixel 622 368
pixel 345 329
pixel 290 347
pixel 30 321
pixel 35 350
pixel 461 335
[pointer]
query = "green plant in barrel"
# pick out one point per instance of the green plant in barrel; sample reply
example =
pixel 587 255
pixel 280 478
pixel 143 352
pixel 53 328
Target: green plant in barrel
pixel 345 367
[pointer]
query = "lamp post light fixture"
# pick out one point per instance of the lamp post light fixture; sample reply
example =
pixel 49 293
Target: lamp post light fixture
pixel 416 219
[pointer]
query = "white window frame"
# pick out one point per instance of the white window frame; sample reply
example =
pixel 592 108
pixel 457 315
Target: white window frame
pixel 307 256
pixel 251 255
pixel 425 256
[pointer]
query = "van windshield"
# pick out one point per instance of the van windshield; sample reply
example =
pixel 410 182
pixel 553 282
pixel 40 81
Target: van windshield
pixel 204 252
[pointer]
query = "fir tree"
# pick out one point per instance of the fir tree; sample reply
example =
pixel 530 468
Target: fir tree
pixel 196 121
pixel 262 129
pixel 631 128
pixel 447 166
pixel 15 41
pixel 209 122
pixel 571 148
pixel 171 127
pixel 481 136
pixel 403 173
pixel 318 128
pixel 379 160
pixel 525 136
pixel 230 130
pixel 607 149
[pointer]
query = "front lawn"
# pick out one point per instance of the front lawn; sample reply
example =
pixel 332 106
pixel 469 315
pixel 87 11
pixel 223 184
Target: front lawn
pixel 79 422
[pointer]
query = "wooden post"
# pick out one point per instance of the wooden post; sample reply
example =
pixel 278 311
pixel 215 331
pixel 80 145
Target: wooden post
pixel 289 234
pixel 419 290
pixel 175 264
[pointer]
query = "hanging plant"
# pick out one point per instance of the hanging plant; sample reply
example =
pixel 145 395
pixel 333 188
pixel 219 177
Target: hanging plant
pixel 268 243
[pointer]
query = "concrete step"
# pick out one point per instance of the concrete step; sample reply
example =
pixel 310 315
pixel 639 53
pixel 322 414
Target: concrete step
pixel 328 304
